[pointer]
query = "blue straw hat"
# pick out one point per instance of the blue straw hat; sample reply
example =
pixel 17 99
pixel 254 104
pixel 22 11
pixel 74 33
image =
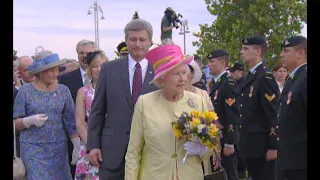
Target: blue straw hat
pixel 45 60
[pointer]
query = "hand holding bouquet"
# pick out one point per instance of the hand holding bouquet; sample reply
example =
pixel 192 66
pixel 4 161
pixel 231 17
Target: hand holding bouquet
pixel 202 129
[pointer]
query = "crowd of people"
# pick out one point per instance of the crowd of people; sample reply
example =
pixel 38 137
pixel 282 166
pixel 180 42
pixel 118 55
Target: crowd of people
pixel 111 119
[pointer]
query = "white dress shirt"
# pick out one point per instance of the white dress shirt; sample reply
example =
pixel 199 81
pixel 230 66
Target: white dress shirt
pixel 84 76
pixel 132 67
pixel 280 86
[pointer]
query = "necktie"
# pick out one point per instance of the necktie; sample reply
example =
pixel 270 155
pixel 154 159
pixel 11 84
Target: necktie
pixel 86 81
pixel 137 83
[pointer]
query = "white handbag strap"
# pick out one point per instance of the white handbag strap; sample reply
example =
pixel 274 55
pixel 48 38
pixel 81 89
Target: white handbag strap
pixel 14 139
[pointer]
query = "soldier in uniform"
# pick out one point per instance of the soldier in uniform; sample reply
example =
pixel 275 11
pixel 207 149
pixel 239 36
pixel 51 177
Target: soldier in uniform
pixel 237 73
pixel 258 112
pixel 293 111
pixel 224 101
pixel 122 49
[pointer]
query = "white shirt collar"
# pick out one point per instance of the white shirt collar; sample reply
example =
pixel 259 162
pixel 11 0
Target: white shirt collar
pixel 83 72
pixel 132 63
pixel 255 67
pixel 219 76
pixel 280 86
pixel 295 70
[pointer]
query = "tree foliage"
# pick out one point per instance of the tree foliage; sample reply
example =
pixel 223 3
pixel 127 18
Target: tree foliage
pixel 237 19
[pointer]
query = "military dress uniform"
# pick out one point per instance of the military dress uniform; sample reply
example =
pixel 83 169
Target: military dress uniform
pixel 258 118
pixel 223 97
pixel 293 122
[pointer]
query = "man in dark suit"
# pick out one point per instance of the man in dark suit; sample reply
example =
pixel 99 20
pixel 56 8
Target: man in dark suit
pixel 292 161
pixel 74 80
pixel 224 101
pixel 258 112
pixel 120 83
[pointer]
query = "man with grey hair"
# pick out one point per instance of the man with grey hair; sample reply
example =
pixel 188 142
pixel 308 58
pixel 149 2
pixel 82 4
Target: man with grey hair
pixel 74 80
pixel 119 86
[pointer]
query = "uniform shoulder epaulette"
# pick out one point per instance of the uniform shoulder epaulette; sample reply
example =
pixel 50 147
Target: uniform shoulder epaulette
pixel 231 81
pixel 269 75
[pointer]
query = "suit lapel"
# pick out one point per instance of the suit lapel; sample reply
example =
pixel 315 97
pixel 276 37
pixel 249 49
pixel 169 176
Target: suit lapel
pixel 216 85
pixel 287 86
pixel 124 76
pixel 148 77
pixel 252 76
pixel 79 77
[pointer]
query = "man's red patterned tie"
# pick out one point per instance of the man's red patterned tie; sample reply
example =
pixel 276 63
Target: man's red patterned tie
pixel 136 84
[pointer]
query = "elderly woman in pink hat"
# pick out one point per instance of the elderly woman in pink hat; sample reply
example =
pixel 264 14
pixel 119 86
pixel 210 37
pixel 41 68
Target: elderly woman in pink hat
pixel 153 151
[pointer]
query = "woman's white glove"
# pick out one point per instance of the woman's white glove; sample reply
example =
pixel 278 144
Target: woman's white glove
pixel 37 120
pixel 195 148
pixel 76 149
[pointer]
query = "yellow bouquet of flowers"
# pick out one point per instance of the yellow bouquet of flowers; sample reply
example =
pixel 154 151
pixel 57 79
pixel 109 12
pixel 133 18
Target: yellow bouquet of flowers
pixel 197 126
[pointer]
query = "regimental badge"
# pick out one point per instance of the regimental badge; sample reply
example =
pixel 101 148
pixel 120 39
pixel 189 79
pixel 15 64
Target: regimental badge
pixel 289 98
pixel 230 128
pixel 215 95
pixel 230 101
pixel 272 132
pixel 270 98
pixel 251 91
pixel 191 103
pixel 245 40
pixel 286 42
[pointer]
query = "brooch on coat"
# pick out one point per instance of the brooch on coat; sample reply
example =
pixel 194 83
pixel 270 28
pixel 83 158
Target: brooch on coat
pixel 191 103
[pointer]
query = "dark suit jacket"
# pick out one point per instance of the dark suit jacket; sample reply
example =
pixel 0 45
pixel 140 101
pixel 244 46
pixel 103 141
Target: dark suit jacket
pixel 73 81
pixel 293 122
pixel 223 98
pixel 112 110
pixel 258 113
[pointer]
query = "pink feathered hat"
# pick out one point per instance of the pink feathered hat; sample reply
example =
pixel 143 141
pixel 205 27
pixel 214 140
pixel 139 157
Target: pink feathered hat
pixel 166 57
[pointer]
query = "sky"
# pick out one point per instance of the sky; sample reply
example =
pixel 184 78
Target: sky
pixel 58 25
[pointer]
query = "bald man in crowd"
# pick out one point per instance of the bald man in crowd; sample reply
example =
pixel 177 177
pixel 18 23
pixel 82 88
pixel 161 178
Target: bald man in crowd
pixel 21 75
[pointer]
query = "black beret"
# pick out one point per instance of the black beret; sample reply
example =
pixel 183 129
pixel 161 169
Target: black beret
pixel 254 40
pixel 122 48
pixel 236 66
pixel 217 53
pixel 293 41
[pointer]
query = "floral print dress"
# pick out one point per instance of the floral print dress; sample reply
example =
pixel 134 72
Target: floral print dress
pixel 85 170
pixel 44 149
